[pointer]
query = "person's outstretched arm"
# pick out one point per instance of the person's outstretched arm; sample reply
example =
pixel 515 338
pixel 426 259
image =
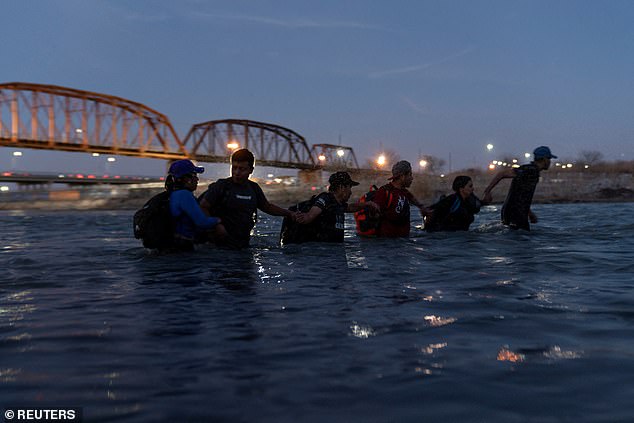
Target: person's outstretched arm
pixel 503 174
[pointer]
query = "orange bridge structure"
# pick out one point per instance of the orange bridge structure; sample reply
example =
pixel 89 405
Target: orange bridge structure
pixel 65 119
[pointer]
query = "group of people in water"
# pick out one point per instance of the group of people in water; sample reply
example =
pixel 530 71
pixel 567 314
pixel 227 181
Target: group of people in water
pixel 225 213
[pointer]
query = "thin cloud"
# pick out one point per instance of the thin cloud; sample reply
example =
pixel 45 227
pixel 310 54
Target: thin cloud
pixel 287 23
pixel 416 68
pixel 415 107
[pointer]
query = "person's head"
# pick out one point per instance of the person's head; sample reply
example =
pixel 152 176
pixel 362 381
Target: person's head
pixel 402 174
pixel 341 185
pixel 242 165
pixel 463 186
pixel 542 156
pixel 183 174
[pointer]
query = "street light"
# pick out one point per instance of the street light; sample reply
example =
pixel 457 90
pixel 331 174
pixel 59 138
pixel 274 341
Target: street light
pixel 322 157
pixel 489 147
pixel 380 160
pixel 14 159
pixel 340 153
pixel 233 145
pixel 423 164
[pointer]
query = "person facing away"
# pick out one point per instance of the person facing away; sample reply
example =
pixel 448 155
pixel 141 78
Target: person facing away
pixel 454 212
pixel 181 182
pixel 326 217
pixel 393 200
pixel 516 211
pixel 236 200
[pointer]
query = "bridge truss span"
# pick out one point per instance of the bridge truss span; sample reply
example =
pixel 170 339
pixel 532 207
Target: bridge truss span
pixel 272 145
pixel 59 118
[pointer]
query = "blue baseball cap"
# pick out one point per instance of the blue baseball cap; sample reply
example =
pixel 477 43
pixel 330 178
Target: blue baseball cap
pixel 543 152
pixel 181 168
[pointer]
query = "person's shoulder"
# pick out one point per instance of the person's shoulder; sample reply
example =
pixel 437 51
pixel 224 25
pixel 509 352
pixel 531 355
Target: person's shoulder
pixel 323 199
pixel 180 195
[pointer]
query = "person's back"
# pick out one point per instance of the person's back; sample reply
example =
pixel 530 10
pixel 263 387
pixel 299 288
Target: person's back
pixel 520 196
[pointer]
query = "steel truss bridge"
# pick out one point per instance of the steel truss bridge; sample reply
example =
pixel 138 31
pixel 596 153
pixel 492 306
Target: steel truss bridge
pixel 65 119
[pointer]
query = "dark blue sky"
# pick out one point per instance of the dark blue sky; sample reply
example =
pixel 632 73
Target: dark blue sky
pixel 420 77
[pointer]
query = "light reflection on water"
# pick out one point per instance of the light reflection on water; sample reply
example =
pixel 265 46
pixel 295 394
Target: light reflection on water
pixel 337 332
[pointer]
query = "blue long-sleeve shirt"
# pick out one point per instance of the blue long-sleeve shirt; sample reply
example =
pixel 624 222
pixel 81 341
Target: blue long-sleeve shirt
pixel 188 215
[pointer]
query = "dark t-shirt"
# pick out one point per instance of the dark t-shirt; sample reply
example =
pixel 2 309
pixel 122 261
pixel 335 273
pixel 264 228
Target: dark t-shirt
pixel 520 196
pixel 330 223
pixel 236 205
pixel 395 213
pixel 453 213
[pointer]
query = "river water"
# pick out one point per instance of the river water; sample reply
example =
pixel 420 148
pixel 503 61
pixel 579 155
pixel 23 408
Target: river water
pixel 491 325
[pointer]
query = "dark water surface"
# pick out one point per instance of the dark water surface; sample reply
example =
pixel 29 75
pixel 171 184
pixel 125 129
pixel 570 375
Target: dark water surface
pixel 487 326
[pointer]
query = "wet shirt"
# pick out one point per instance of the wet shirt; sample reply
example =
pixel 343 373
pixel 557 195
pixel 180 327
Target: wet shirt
pixel 236 205
pixel 520 196
pixel 453 213
pixel 395 211
pixel 330 222
pixel 188 215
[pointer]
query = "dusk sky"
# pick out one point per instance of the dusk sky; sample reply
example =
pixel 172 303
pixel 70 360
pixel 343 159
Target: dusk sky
pixel 443 78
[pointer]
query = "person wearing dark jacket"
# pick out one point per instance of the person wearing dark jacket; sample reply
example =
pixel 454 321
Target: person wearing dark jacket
pixel 454 212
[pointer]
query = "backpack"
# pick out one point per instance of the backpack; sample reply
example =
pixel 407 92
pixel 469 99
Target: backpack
pixel 296 233
pixel 153 223
pixel 367 224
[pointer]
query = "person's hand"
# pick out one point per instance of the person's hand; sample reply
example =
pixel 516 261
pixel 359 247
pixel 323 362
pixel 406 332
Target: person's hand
pixel 487 198
pixel 300 217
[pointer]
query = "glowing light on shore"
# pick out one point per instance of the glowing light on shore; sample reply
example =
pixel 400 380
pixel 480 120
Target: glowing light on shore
pixel 380 160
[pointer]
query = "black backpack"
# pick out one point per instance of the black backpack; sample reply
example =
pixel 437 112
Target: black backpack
pixel 296 233
pixel 153 223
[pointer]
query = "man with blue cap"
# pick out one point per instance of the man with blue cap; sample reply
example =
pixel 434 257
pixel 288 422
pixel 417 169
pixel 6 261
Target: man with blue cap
pixel 516 211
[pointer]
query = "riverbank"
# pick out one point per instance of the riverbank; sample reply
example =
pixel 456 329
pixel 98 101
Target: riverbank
pixel 554 187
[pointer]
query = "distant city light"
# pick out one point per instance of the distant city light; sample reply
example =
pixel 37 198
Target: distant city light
pixel 17 154
pixel 78 131
pixel 492 166
pixel 569 165
pixel 586 166
pixel 442 175
pixel 95 154
pixel 111 159
pixel 270 175
pixel 527 155
pixel 514 160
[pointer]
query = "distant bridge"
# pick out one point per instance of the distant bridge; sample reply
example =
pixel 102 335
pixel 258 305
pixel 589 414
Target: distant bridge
pixel 58 118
